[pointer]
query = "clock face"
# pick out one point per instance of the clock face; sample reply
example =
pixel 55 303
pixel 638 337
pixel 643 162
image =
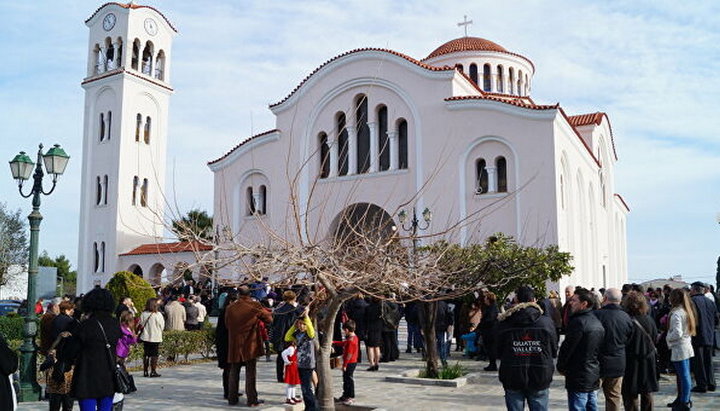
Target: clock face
pixel 151 27
pixel 109 21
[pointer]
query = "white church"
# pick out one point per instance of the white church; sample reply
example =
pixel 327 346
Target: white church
pixel 456 132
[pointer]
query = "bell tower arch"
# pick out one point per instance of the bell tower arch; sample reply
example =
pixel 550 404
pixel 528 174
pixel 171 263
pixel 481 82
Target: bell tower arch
pixel 127 93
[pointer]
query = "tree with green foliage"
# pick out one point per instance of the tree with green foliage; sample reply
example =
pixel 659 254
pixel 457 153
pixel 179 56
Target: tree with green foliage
pixel 196 225
pixel 127 284
pixel 506 265
pixel 64 271
pixel 13 241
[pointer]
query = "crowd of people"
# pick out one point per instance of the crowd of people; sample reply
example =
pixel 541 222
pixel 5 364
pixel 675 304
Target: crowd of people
pixel 618 341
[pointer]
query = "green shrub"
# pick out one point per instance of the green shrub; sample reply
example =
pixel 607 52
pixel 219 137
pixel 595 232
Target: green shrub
pixel 181 343
pixel 127 284
pixel 12 327
pixel 448 372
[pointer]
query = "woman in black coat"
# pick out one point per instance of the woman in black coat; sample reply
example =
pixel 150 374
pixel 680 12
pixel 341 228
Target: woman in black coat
pixel 487 328
pixel 221 341
pixel 640 373
pixel 8 366
pixel 93 381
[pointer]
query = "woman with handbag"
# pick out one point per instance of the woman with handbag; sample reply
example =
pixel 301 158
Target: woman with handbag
pixel 152 324
pixel 92 346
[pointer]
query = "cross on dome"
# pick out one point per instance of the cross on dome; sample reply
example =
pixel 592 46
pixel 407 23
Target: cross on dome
pixel 465 23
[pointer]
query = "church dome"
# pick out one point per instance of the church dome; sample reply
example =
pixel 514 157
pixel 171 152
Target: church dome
pixel 466 44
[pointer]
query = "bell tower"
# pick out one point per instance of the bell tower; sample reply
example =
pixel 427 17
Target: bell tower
pixel 127 93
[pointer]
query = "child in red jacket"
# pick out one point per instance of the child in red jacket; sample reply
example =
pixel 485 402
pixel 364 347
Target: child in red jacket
pixel 350 346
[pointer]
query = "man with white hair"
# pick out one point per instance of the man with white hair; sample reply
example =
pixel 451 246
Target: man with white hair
pixel 618 330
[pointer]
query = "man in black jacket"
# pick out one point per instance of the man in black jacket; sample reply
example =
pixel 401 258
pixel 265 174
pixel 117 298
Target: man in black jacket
pixel 618 330
pixel 703 340
pixel 526 346
pixel 578 357
pixel 284 317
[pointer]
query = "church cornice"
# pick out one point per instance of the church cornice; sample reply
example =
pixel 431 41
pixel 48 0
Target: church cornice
pixel 354 55
pixel 621 200
pixel 122 70
pixel 133 7
pixel 239 149
pixel 503 105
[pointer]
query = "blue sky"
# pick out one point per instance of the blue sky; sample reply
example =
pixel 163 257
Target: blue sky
pixel 651 65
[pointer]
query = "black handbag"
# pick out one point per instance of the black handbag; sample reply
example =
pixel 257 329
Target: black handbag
pixel 123 381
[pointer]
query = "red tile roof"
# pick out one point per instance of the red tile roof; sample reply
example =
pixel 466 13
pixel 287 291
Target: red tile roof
pixel 472 44
pixel 169 248
pixel 622 200
pixel 596 118
pixel 406 57
pixel 466 44
pixel 132 6
pixel 242 143
pixel 519 102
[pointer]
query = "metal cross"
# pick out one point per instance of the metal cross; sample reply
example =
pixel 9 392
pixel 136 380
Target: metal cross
pixel 465 23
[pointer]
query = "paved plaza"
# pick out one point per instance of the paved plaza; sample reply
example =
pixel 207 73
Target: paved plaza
pixel 198 387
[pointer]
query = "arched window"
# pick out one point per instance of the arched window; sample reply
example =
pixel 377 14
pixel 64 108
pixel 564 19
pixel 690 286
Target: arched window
pixel 110 54
pixel 562 192
pixel 402 144
pixel 119 52
pixel 486 78
pixel 603 197
pixel 105 189
pixel 519 83
pixel 135 54
pixel 96 260
pixel 527 85
pixel 138 126
pixel 324 155
pixel 160 66
pixel 102 126
pixel 511 80
pixel 102 257
pixel 481 177
pixel 500 82
pixel 460 68
pixel 342 145
pixel 98 191
pixel 144 193
pixel 249 201
pixel 147 59
pixel 474 73
pixel 109 124
pixel 99 59
pixel 501 167
pixel 262 209
pixel 383 140
pixel 148 126
pixel 363 134
pixel 136 183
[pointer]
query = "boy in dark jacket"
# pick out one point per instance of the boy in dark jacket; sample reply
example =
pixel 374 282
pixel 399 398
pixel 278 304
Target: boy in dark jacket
pixel 578 357
pixel 526 346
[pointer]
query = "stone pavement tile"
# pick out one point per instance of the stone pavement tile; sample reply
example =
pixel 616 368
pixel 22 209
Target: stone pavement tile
pixel 199 387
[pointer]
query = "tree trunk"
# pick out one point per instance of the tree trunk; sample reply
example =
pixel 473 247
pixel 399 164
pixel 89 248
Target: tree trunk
pixel 324 392
pixel 427 321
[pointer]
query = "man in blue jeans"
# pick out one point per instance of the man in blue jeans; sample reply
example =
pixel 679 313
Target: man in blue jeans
pixel 526 346
pixel 578 357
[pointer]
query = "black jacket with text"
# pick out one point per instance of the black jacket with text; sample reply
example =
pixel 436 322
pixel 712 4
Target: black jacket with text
pixel 526 346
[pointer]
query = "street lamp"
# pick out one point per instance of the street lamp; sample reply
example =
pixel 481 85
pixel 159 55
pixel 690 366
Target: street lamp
pixel 21 166
pixel 415 224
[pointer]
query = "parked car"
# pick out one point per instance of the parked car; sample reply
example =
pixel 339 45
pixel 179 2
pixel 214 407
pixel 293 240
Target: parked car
pixel 9 306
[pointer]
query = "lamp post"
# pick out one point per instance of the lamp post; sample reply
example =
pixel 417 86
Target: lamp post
pixel 415 224
pixel 55 161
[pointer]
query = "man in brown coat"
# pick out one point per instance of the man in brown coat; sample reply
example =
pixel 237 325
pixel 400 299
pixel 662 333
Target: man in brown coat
pixel 245 344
